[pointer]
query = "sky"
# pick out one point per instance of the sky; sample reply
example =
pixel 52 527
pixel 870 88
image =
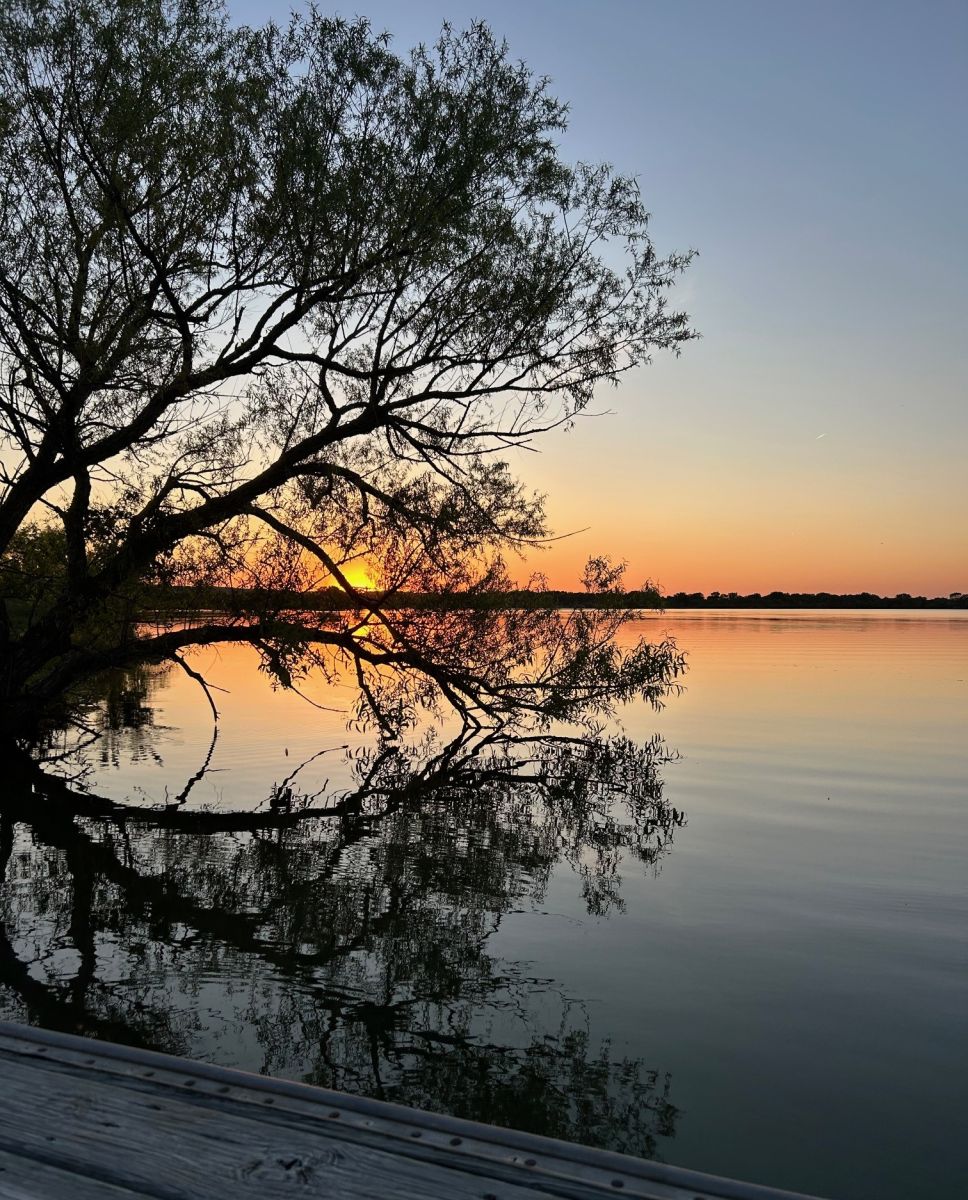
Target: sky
pixel 815 155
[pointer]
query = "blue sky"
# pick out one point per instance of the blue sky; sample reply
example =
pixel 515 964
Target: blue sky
pixel 815 155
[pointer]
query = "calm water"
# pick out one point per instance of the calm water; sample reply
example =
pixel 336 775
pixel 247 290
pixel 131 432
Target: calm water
pixel 763 975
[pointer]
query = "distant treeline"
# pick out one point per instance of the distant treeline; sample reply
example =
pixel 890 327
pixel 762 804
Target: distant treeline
pixel 811 600
pixel 332 599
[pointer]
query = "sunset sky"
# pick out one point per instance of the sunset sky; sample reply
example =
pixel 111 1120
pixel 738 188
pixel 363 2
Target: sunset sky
pixel 817 157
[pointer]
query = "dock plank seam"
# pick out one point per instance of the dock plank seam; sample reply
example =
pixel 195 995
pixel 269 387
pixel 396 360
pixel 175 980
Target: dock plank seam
pixel 324 1125
pixel 487 1159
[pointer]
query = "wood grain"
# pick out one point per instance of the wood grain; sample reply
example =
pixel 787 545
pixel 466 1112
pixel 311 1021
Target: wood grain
pixel 83 1119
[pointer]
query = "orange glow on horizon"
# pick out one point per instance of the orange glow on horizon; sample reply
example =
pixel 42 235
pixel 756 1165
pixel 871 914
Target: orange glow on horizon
pixel 707 558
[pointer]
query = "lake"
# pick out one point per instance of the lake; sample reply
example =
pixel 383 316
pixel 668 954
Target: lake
pixel 763 973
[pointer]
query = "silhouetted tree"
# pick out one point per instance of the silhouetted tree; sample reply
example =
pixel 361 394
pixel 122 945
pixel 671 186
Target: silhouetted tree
pixel 272 303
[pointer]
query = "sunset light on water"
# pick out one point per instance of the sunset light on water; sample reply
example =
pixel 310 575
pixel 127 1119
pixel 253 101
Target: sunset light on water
pixel 817 873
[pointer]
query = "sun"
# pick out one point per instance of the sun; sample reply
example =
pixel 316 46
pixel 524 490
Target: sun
pixel 358 577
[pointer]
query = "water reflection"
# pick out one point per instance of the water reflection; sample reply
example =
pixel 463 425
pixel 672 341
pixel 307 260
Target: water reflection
pixel 342 935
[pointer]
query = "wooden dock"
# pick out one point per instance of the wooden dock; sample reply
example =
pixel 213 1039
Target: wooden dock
pixel 84 1120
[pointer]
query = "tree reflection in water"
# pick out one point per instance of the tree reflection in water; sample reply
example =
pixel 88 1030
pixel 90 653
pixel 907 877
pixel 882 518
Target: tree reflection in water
pixel 343 939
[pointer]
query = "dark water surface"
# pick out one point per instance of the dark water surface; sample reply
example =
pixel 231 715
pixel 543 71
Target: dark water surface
pixel 762 973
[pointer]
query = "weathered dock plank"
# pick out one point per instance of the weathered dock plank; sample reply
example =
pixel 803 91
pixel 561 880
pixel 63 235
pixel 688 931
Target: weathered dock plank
pixel 86 1119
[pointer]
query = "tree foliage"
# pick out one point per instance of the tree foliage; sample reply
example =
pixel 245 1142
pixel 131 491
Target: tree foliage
pixel 275 303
